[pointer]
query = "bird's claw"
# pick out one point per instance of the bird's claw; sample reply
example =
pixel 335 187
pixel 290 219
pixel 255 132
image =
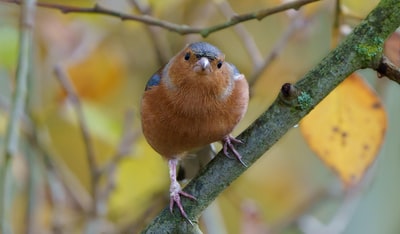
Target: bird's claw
pixel 227 143
pixel 175 198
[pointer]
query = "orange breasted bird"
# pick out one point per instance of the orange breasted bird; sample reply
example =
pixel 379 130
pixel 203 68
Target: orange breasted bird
pixel 196 99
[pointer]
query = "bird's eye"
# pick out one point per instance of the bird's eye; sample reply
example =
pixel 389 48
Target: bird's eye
pixel 219 64
pixel 187 56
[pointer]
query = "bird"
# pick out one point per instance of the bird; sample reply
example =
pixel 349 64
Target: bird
pixel 194 100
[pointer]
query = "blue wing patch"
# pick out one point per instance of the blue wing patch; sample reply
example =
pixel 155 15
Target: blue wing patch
pixel 235 70
pixel 153 81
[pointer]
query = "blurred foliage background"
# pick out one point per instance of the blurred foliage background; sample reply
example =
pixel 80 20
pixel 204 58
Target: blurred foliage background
pixel 108 61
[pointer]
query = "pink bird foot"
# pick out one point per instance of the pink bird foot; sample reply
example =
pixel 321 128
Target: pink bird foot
pixel 227 143
pixel 176 191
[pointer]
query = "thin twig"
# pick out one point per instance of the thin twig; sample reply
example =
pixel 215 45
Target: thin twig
pixel 30 215
pixel 336 25
pixel 160 44
pixel 108 171
pixel 178 28
pixel 19 95
pixel 91 159
pixel 61 183
pixel 388 69
pixel 241 31
pixel 17 107
pixel 200 17
pixel 295 25
pixel 339 222
pixel 127 139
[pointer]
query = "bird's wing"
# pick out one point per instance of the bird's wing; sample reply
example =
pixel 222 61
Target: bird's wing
pixel 154 80
pixel 235 72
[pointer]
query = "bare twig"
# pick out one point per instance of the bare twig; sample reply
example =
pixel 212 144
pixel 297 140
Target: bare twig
pixel 74 99
pixel 17 108
pixel 201 17
pixel 181 29
pixel 388 69
pixel 61 182
pixel 160 44
pixel 19 95
pixel 339 222
pixel 297 23
pixel 336 25
pixel 246 38
pixel 30 215
pixel 125 145
pixel 109 170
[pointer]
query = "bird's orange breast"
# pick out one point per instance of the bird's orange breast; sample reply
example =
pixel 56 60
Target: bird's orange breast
pixel 177 121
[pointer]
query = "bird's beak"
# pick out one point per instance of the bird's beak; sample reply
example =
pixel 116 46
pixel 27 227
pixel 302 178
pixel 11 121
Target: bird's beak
pixel 203 65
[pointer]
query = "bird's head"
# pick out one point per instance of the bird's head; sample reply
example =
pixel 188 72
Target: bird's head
pixel 203 57
pixel 197 59
pixel 200 66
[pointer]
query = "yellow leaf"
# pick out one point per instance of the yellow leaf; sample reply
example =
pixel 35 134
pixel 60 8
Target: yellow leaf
pixel 97 75
pixel 347 128
pixel 139 179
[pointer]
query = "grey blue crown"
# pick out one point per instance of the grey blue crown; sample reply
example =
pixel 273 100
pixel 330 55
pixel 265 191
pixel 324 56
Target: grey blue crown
pixel 203 49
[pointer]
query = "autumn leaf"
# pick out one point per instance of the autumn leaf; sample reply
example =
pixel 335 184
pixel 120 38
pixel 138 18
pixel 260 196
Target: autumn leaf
pixel 98 74
pixel 347 128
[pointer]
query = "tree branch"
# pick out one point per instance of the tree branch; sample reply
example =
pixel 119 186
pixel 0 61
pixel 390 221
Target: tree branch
pixel 17 108
pixel 361 49
pixel 181 29
pixel 388 69
pixel 90 154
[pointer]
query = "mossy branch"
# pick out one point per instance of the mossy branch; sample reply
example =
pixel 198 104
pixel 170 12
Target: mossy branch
pixel 363 48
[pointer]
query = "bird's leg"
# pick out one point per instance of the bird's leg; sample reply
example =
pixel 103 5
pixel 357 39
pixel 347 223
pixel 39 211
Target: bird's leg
pixel 227 143
pixel 176 191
